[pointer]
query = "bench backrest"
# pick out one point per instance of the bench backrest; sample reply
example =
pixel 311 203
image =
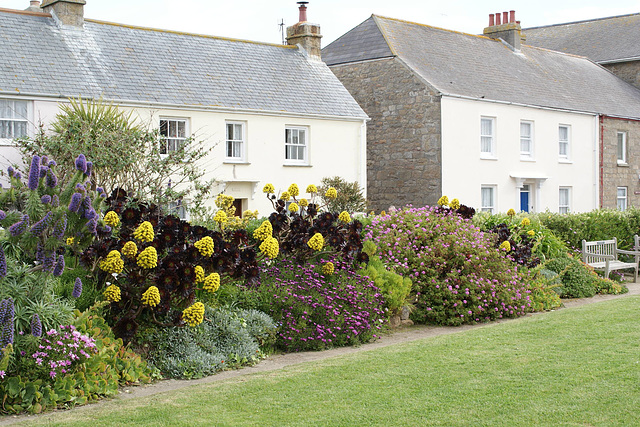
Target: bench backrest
pixel 599 247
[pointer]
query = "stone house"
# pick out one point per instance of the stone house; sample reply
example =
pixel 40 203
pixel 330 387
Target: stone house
pixel 275 113
pixel 486 119
pixel 611 42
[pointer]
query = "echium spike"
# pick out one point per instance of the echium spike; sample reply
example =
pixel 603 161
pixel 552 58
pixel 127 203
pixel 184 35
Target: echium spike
pixel 34 173
pixel 77 288
pixel 3 263
pixel 36 326
pixel 81 163
pixel 59 268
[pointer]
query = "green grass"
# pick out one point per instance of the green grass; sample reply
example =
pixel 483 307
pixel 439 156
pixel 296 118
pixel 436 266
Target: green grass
pixel 573 367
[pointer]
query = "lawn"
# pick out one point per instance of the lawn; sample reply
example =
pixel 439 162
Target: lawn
pixel 578 366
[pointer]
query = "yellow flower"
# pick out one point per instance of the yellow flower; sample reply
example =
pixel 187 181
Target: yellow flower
pixel 144 232
pixel 304 203
pixel 148 258
pixel 130 250
pixel 221 217
pixel 264 231
pixel 443 201
pixel 316 242
pixel 506 246
pixel 293 190
pixel 293 207
pixel 531 233
pixel 212 282
pixel 112 293
pixel 455 204
pixel 205 246
pixel 70 241
pixel 312 189
pixel 224 201
pixel 511 212
pixel 194 315
pixel 383 213
pixel 285 196
pixel 113 263
pixel 268 188
pixel 525 222
pixel 270 247
pixel 151 297
pixel 199 274
pixel 112 219
pixel 328 268
pixel 344 217
pixel 331 193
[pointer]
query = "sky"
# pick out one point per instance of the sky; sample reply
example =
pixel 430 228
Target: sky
pixel 258 20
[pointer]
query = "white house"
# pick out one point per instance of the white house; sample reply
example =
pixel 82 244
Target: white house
pixel 275 113
pixel 485 119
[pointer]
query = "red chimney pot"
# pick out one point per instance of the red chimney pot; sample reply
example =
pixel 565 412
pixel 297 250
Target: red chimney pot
pixel 498 19
pixel 505 17
pixel 303 11
pixel 491 20
pixel 512 16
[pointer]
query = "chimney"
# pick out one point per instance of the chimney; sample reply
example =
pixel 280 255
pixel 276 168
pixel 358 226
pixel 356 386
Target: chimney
pixel 305 34
pixel 34 6
pixel 509 30
pixel 67 12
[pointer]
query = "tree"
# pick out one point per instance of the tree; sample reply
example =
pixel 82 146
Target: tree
pixel 349 198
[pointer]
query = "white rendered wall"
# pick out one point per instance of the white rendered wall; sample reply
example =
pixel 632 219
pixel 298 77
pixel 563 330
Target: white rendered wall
pixel 464 172
pixel 335 148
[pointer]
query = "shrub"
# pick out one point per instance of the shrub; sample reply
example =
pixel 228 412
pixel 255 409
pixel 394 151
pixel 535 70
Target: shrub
pixel 350 197
pixel 544 285
pixel 318 310
pixel 578 280
pixel 458 275
pixel 227 338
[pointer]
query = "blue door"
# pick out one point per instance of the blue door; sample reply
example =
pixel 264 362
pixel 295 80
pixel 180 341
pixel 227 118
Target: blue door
pixel 524 198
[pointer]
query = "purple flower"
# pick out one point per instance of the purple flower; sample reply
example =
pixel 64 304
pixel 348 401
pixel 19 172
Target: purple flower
pixel 44 160
pixel 99 190
pixel 3 263
pixel 77 288
pixel 43 171
pixel 49 262
pixel 89 168
pixel 52 163
pixel 40 253
pixel 3 215
pixel 52 179
pixel 59 268
pixel 34 173
pixel 75 202
pixel 36 326
pixel 92 226
pixel 60 227
pixel 2 374
pixel 55 201
pixel 81 163
pixel 46 199
pixel 11 171
pixel 6 322
pixel 40 226
pixel 86 206
pixel 19 227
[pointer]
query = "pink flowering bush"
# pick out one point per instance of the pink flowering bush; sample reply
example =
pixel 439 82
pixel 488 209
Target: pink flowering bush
pixel 458 274
pixel 317 310
pixel 61 350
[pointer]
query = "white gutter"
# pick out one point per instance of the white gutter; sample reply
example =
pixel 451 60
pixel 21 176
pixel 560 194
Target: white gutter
pixel 363 158
pixel 220 109
pixel 614 61
pixel 596 157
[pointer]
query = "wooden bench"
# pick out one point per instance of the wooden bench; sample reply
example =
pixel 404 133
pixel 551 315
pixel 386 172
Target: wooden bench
pixel 603 255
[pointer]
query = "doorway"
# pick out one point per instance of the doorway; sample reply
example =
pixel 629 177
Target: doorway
pixel 525 196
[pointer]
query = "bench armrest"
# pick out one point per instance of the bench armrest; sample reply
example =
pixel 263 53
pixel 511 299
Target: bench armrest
pixel 611 257
pixel 622 251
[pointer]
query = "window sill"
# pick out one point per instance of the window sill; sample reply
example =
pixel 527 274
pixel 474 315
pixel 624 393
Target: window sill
pixel 296 165
pixel 527 159
pixel 565 161
pixel 488 158
pixel 235 162
pixel 623 165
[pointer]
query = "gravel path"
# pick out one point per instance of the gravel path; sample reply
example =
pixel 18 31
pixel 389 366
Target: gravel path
pixel 280 361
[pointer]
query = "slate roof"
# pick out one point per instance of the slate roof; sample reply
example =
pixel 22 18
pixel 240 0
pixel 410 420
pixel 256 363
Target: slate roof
pixel 601 40
pixel 478 67
pixel 132 64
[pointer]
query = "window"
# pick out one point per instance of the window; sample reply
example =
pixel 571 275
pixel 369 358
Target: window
pixel 563 142
pixel 622 148
pixel 295 145
pixel 178 209
pixel 487 137
pixel 526 139
pixel 622 198
pixel 488 199
pixel 13 118
pixel 235 141
pixel 173 133
pixel 564 202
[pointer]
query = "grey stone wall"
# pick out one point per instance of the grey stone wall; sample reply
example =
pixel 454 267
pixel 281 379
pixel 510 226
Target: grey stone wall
pixel 614 175
pixel 627 71
pixel 403 137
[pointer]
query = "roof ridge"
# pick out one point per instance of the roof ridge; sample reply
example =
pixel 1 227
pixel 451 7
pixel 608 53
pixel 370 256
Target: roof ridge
pixel 24 12
pixel 184 33
pixel 432 26
pixel 580 22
